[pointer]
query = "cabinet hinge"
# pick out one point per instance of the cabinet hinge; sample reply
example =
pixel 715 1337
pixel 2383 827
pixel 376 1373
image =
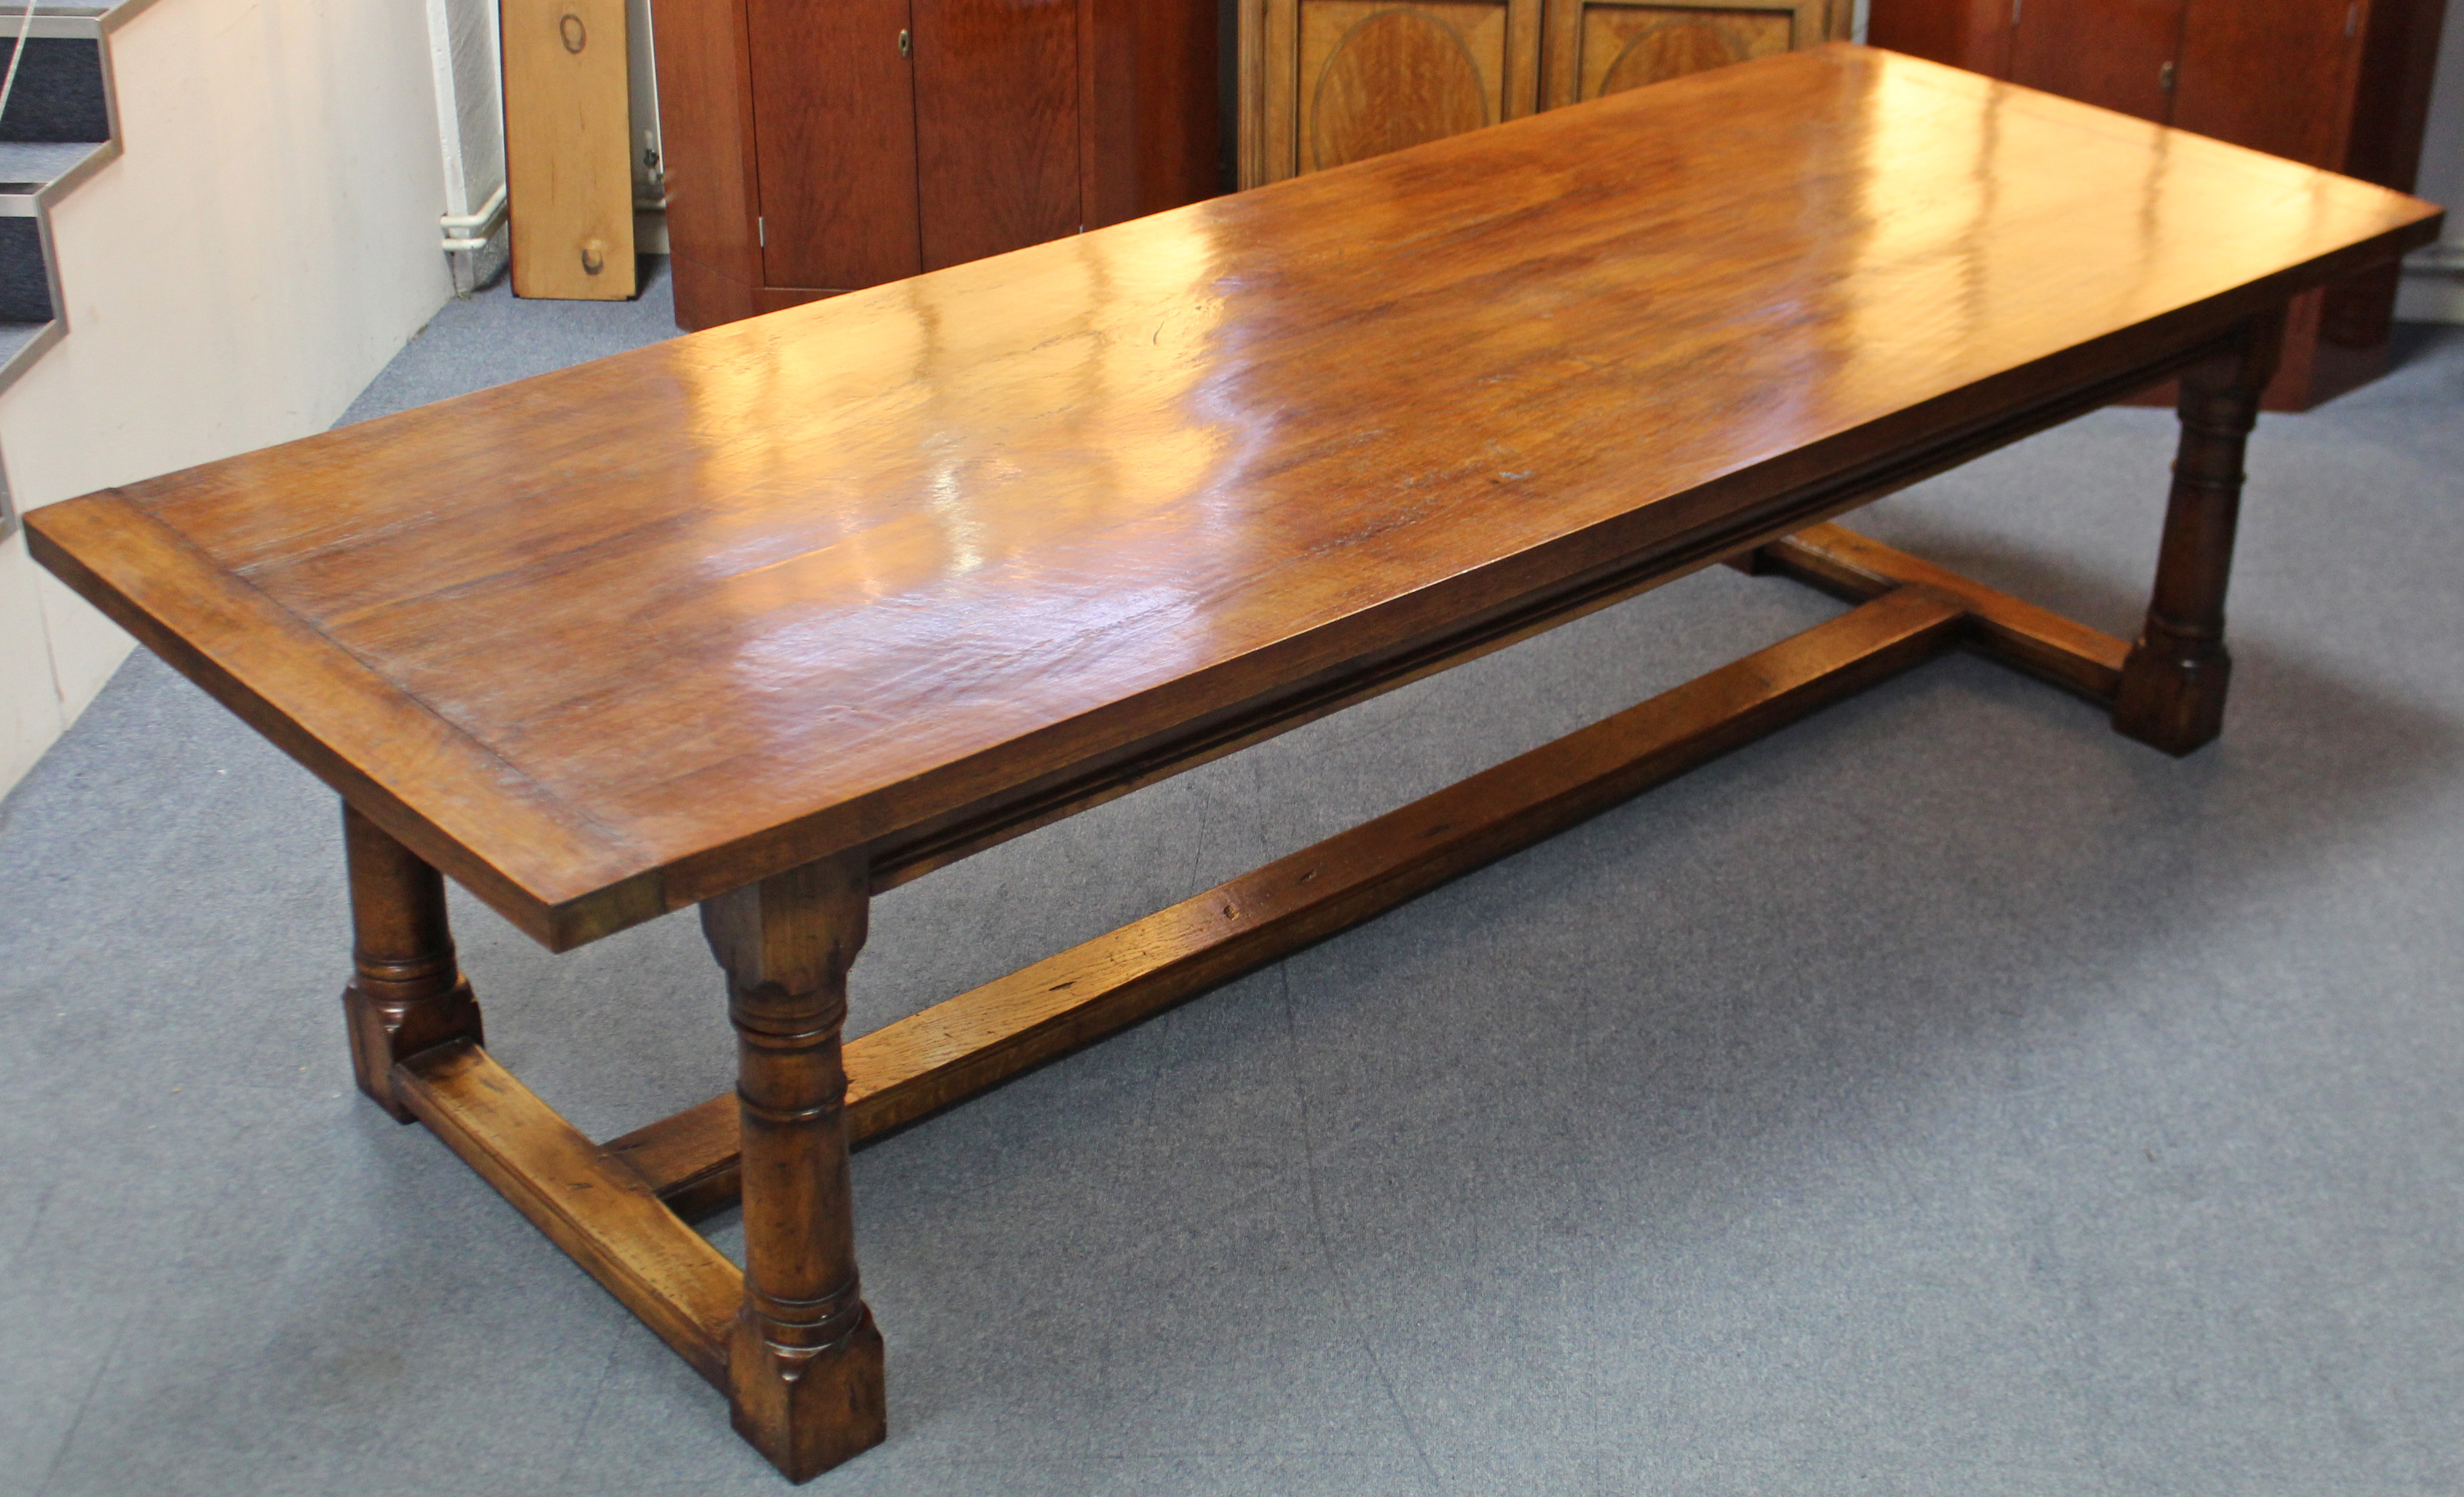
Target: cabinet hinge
pixel 906 44
pixel 2165 78
pixel 762 233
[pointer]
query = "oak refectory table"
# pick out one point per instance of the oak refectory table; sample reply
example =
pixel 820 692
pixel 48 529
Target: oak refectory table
pixel 775 617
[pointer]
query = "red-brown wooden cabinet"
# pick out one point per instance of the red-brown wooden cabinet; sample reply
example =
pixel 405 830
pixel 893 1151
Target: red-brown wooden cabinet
pixel 815 146
pixel 2343 84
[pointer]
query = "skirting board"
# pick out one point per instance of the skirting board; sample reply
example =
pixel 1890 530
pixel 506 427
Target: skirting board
pixel 2434 285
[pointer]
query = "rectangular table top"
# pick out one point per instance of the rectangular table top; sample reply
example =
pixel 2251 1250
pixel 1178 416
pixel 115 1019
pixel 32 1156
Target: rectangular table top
pixel 615 639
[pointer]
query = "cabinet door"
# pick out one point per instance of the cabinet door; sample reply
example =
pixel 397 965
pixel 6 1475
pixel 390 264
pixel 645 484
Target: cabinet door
pixel 995 126
pixel 2276 75
pixel 835 131
pixel 1974 34
pixel 1154 125
pixel 1599 46
pixel 1342 80
pixel 2118 54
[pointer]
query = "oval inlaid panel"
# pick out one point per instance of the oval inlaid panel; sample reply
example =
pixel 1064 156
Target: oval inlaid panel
pixel 1395 79
pixel 1673 50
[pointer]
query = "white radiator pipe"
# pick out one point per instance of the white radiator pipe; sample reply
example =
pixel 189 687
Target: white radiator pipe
pixel 473 230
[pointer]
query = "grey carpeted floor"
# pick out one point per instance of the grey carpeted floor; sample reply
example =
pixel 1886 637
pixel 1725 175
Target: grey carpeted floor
pixel 1944 1096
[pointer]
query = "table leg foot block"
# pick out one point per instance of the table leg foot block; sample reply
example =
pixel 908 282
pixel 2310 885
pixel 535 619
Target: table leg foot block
pixel 2173 699
pixel 807 1412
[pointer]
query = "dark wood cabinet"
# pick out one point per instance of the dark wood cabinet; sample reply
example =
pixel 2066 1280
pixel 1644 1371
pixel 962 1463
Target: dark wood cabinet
pixel 835 149
pixel 2108 53
pixel 814 147
pixel 2282 75
pixel 2343 84
pixel 995 127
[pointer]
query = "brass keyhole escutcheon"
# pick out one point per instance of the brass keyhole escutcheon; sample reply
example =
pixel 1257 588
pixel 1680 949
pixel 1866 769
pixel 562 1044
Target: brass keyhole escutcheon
pixel 594 257
pixel 576 35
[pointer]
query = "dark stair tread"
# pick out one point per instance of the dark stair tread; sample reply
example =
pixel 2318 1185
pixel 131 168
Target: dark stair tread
pixel 59 91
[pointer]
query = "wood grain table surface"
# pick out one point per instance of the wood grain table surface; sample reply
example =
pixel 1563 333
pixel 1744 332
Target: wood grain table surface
pixel 615 640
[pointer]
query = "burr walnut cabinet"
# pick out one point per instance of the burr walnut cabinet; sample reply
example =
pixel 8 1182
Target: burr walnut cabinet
pixel 1329 82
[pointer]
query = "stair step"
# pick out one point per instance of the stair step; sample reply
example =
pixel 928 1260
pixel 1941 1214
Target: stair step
pixel 28 166
pixel 19 343
pixel 30 171
pixel 59 93
pixel 55 129
pixel 25 280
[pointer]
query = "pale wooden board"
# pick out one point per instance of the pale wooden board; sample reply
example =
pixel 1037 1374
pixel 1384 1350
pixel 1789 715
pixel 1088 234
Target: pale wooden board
pixel 569 149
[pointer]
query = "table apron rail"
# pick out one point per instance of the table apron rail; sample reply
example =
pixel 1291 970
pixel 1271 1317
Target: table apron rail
pixel 964 1046
pixel 911 854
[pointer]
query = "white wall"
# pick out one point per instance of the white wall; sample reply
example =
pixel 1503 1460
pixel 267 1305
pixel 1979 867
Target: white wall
pixel 2433 282
pixel 265 242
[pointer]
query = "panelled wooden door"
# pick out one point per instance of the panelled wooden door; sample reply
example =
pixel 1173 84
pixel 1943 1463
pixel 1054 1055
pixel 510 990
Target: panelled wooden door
pixel 1974 34
pixel 996 117
pixel 816 146
pixel 2274 74
pixel 1598 47
pixel 2118 54
pixel 836 144
pixel 1349 79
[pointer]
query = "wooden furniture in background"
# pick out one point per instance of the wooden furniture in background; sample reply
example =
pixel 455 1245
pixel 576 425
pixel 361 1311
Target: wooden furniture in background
pixel 1329 82
pixel 814 147
pixel 2340 84
pixel 781 615
pixel 568 164
pixel 1340 80
pixel 1599 46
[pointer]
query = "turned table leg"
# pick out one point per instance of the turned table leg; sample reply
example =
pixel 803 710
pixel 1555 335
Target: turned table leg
pixel 2173 684
pixel 407 993
pixel 805 1367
